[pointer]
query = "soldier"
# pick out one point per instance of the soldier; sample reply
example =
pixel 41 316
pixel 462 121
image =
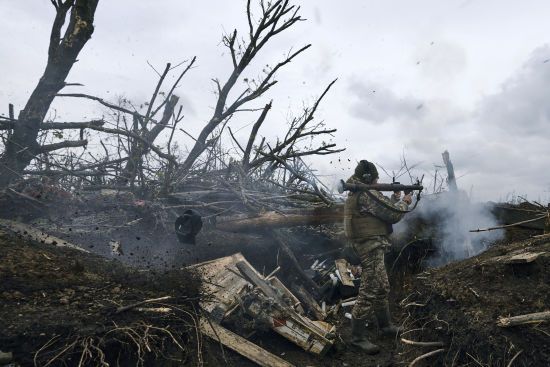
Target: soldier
pixel 368 219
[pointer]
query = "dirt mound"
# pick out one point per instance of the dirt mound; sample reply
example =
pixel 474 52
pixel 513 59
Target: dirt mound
pixel 459 305
pixel 62 307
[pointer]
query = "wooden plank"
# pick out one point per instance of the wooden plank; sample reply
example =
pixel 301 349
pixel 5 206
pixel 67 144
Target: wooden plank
pixel 36 236
pixel 222 284
pixel 307 299
pixel 530 318
pixel 248 271
pixel 296 304
pixel 241 345
pixel 524 258
pixel 342 267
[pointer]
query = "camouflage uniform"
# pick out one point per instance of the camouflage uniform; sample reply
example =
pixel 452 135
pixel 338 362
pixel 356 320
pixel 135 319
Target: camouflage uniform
pixel 368 225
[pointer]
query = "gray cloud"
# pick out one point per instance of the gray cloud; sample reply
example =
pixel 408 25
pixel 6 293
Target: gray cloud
pixel 522 106
pixel 497 146
pixel 440 60
pixel 377 103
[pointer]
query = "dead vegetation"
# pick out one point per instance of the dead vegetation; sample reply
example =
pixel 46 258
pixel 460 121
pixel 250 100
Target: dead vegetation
pixel 243 245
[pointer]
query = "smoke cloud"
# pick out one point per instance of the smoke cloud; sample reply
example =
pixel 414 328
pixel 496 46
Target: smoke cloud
pixel 447 218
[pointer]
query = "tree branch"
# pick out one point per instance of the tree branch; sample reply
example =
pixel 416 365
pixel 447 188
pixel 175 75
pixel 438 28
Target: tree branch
pixel 253 133
pixel 64 144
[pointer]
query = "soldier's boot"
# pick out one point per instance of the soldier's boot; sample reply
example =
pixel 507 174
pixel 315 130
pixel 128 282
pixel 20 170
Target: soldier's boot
pixel 359 336
pixel 385 325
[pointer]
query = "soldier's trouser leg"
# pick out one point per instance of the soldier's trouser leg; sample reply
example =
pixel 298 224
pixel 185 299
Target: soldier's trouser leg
pixel 374 287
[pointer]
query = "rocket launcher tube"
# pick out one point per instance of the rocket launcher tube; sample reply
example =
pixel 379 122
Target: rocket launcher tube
pixel 355 187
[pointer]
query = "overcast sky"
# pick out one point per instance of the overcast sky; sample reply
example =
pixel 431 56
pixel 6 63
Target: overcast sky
pixel 418 77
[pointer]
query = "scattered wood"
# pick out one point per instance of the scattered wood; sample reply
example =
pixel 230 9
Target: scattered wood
pixel 250 275
pixel 473 291
pixel 154 309
pixel 307 299
pixel 35 235
pixel 526 257
pixel 224 287
pixel 530 318
pixel 424 356
pixel 295 302
pixel 342 267
pixel 227 291
pixel 129 307
pixel 509 225
pixel 313 336
pixel 241 345
pixel 422 344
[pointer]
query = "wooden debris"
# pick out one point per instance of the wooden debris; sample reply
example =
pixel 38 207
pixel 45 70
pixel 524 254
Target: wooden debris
pixel 530 318
pixel 227 290
pixel 35 235
pixel 509 225
pixel 421 344
pixel 152 300
pixel 342 267
pixel 241 345
pixel 523 258
pixel 249 273
pixel 310 303
pixel 224 286
pixel 424 356
pixel 515 257
pixel 154 309
pixel 313 336
pixel 296 304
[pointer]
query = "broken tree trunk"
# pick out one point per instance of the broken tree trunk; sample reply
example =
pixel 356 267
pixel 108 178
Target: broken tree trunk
pixel 291 218
pixel 451 180
pixel 530 318
pixel 35 235
pixel 22 146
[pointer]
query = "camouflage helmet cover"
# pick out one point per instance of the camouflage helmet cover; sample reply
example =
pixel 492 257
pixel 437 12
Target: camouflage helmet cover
pixel 366 171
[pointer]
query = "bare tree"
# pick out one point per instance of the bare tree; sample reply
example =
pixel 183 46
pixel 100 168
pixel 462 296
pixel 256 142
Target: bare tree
pixel 275 17
pixel 21 147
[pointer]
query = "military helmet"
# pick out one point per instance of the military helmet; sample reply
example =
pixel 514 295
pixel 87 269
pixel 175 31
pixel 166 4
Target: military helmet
pixel 366 171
